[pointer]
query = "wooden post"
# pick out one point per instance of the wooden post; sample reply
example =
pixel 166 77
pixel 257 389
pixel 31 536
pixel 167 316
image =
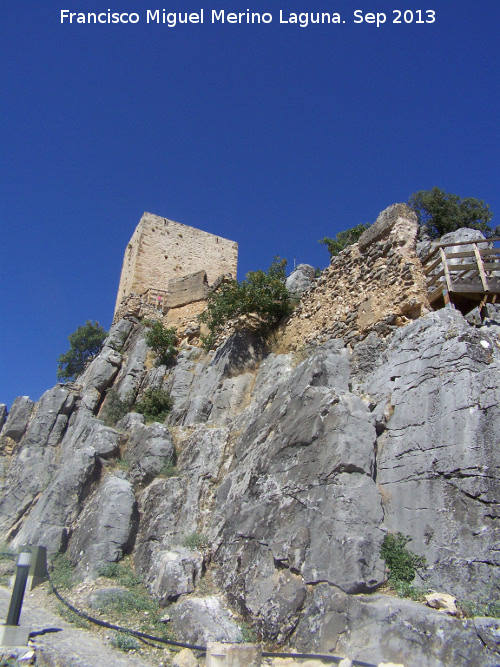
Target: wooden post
pixel 480 267
pixel 445 269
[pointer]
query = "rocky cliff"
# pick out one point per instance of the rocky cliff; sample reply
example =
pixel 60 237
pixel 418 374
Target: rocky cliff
pixel 279 475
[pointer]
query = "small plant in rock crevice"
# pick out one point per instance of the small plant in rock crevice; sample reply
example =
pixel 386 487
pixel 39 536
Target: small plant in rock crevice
pixel 124 642
pixel 115 408
pixel 247 633
pixel 155 405
pixel 471 608
pixel 169 469
pixel 403 565
pixel 196 541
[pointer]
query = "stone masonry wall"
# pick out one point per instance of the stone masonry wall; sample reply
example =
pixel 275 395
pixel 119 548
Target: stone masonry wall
pixel 375 283
pixel 161 250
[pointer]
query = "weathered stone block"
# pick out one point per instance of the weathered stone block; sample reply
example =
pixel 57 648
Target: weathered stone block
pixel 233 655
pixel 393 217
pixel 187 289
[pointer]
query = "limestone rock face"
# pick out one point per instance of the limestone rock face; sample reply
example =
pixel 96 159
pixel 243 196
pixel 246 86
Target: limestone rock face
pixel 148 448
pixel 200 620
pixel 60 503
pixel 302 474
pixel 464 235
pixel 35 463
pixel 105 528
pixel 17 420
pixel 171 516
pixel 439 378
pixel 300 280
pixel 287 470
pixel 197 382
pixel 380 628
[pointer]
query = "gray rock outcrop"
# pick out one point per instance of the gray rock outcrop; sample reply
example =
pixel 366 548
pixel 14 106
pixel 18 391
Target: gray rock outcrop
pixel 106 528
pixel 300 280
pixel 3 415
pixel 35 463
pixel 200 620
pixel 299 505
pixel 289 471
pixel 17 420
pixel 147 449
pixel 379 628
pixel 464 235
pixel 439 379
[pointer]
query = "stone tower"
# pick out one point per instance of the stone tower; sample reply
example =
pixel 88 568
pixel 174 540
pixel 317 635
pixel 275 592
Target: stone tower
pixel 161 250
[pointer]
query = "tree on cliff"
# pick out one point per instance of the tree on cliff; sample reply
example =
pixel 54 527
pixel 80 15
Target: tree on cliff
pixel 85 344
pixel 262 293
pixel 343 239
pixel 442 212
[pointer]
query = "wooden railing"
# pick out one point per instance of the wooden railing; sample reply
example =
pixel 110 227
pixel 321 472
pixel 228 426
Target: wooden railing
pixel 473 272
pixel 155 297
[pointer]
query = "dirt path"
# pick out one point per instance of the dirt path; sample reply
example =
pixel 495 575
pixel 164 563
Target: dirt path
pixel 60 644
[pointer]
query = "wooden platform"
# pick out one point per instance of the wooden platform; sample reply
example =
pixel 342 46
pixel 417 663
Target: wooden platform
pixel 463 278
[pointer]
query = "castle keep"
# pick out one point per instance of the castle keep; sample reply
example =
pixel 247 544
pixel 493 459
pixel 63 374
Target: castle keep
pixel 162 251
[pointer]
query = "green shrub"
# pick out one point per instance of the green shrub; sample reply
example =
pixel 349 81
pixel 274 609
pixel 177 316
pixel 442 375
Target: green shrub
pixel 406 590
pixel 114 408
pixel 7 553
pixel 471 608
pixel 343 239
pixel 261 293
pixel 402 563
pixel 161 340
pixel 442 212
pixel 63 572
pixel 70 616
pixel 110 570
pixel 124 602
pixel 155 405
pixel 124 642
pixel 195 541
pixel 248 634
pixel 85 344
pixel 123 574
pixel 168 469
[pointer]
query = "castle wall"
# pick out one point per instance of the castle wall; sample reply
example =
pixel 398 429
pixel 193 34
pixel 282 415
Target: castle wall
pixel 161 250
pixel 375 283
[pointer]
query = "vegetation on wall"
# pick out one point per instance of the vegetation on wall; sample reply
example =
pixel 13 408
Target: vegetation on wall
pixel 343 239
pixel 85 344
pixel 161 340
pixel 442 212
pixel 262 293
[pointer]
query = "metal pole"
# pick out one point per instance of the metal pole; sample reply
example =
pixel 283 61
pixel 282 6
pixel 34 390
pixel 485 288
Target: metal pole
pixel 16 600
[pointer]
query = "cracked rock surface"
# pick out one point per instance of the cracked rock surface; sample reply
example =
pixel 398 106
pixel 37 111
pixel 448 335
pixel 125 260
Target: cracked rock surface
pixel 438 462
pixel 277 478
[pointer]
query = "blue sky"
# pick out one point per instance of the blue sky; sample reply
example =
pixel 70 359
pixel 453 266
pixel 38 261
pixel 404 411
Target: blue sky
pixel 270 135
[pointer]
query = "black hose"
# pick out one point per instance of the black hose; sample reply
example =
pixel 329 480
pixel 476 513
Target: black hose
pixel 194 647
